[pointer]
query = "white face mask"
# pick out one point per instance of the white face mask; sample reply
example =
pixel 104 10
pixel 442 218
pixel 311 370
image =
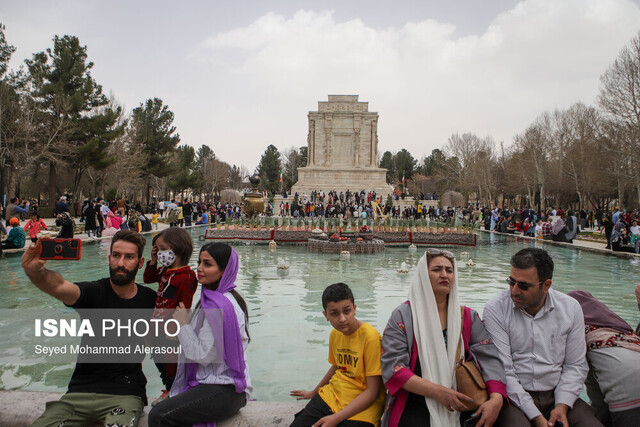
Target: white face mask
pixel 166 258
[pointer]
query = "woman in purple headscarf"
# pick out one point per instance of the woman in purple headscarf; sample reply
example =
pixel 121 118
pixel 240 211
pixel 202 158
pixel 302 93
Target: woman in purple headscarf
pixel 613 353
pixel 212 381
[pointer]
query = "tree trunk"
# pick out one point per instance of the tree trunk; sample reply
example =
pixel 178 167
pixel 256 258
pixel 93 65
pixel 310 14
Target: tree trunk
pixel 76 185
pixel 620 193
pixel 579 199
pixel 52 184
pixel 11 182
pixel 102 184
pixel 2 183
pixel 148 189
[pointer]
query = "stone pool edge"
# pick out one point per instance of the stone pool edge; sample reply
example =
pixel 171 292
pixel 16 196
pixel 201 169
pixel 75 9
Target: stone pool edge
pixel 22 408
pixel 577 244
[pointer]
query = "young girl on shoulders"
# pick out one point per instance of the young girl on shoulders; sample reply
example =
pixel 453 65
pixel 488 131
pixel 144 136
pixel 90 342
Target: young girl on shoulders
pixel 212 382
pixel 172 247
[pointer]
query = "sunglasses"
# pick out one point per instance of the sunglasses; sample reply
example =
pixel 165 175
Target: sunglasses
pixel 522 285
pixel 436 252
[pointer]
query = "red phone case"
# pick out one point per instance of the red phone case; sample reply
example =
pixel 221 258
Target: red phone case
pixel 65 244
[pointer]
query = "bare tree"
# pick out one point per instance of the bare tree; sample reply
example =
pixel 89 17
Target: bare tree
pixel 534 147
pixel 485 174
pixel 583 166
pixel 616 146
pixel 620 98
pixel 293 159
pixel 469 158
pixel 216 176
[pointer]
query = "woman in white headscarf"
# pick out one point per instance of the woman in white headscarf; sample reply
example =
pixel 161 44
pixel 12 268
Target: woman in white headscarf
pixel 419 348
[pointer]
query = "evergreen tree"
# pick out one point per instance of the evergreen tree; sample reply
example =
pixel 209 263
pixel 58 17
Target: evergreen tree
pixel 433 162
pixel 6 50
pixel 386 162
pixel 204 152
pixel 184 174
pixel 154 133
pixel 8 99
pixel 236 175
pixel 204 155
pixel 76 122
pixel 269 169
pixel 405 164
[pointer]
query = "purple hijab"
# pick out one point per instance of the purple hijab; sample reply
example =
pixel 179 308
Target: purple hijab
pixel 229 335
pixel 598 314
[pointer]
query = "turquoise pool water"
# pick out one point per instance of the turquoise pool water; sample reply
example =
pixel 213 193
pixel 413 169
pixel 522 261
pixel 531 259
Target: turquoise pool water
pixel 289 334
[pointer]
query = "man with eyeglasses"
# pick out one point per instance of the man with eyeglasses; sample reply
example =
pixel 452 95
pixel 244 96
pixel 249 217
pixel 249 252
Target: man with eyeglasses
pixel 539 334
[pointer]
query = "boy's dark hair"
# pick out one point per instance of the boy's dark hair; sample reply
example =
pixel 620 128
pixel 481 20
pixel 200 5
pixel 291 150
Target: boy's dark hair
pixel 132 237
pixel 534 257
pixel 179 240
pixel 336 292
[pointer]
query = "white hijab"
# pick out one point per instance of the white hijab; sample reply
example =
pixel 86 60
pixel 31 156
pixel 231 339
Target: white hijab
pixel 437 361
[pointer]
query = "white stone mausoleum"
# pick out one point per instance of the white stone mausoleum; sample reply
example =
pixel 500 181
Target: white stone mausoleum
pixel 342 149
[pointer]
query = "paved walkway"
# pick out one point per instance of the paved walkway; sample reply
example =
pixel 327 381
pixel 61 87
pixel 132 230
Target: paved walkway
pixel 589 245
pixel 82 236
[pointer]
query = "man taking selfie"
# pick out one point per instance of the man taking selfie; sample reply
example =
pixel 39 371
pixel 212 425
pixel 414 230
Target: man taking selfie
pixel 111 393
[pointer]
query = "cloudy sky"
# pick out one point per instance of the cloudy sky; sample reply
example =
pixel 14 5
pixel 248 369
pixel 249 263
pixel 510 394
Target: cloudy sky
pixel 242 75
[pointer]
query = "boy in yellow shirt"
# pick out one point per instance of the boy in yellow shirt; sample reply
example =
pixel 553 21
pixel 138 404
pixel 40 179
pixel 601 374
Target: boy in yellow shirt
pixel 351 392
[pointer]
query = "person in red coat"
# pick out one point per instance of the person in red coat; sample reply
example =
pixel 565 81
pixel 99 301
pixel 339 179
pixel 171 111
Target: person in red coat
pixel 172 248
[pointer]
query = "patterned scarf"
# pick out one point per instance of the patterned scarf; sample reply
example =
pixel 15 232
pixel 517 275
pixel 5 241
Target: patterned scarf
pixel 606 337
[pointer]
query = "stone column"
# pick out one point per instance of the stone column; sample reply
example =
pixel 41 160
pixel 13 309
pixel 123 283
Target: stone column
pixel 327 136
pixel 356 138
pixel 374 142
pixel 311 142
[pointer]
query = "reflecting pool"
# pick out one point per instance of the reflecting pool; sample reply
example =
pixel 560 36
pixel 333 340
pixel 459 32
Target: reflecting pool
pixel 289 334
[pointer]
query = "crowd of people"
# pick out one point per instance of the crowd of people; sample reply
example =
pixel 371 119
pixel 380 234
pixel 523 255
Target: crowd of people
pixel 354 204
pixel 621 229
pixel 534 347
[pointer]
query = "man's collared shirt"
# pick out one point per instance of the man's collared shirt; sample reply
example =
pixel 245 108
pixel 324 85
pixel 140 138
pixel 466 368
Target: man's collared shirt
pixel 542 352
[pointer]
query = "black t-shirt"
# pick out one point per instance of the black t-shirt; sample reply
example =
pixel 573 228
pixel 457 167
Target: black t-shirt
pixel 110 378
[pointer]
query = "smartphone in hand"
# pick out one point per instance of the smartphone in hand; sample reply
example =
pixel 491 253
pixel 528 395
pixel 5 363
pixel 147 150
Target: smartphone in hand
pixel 60 249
